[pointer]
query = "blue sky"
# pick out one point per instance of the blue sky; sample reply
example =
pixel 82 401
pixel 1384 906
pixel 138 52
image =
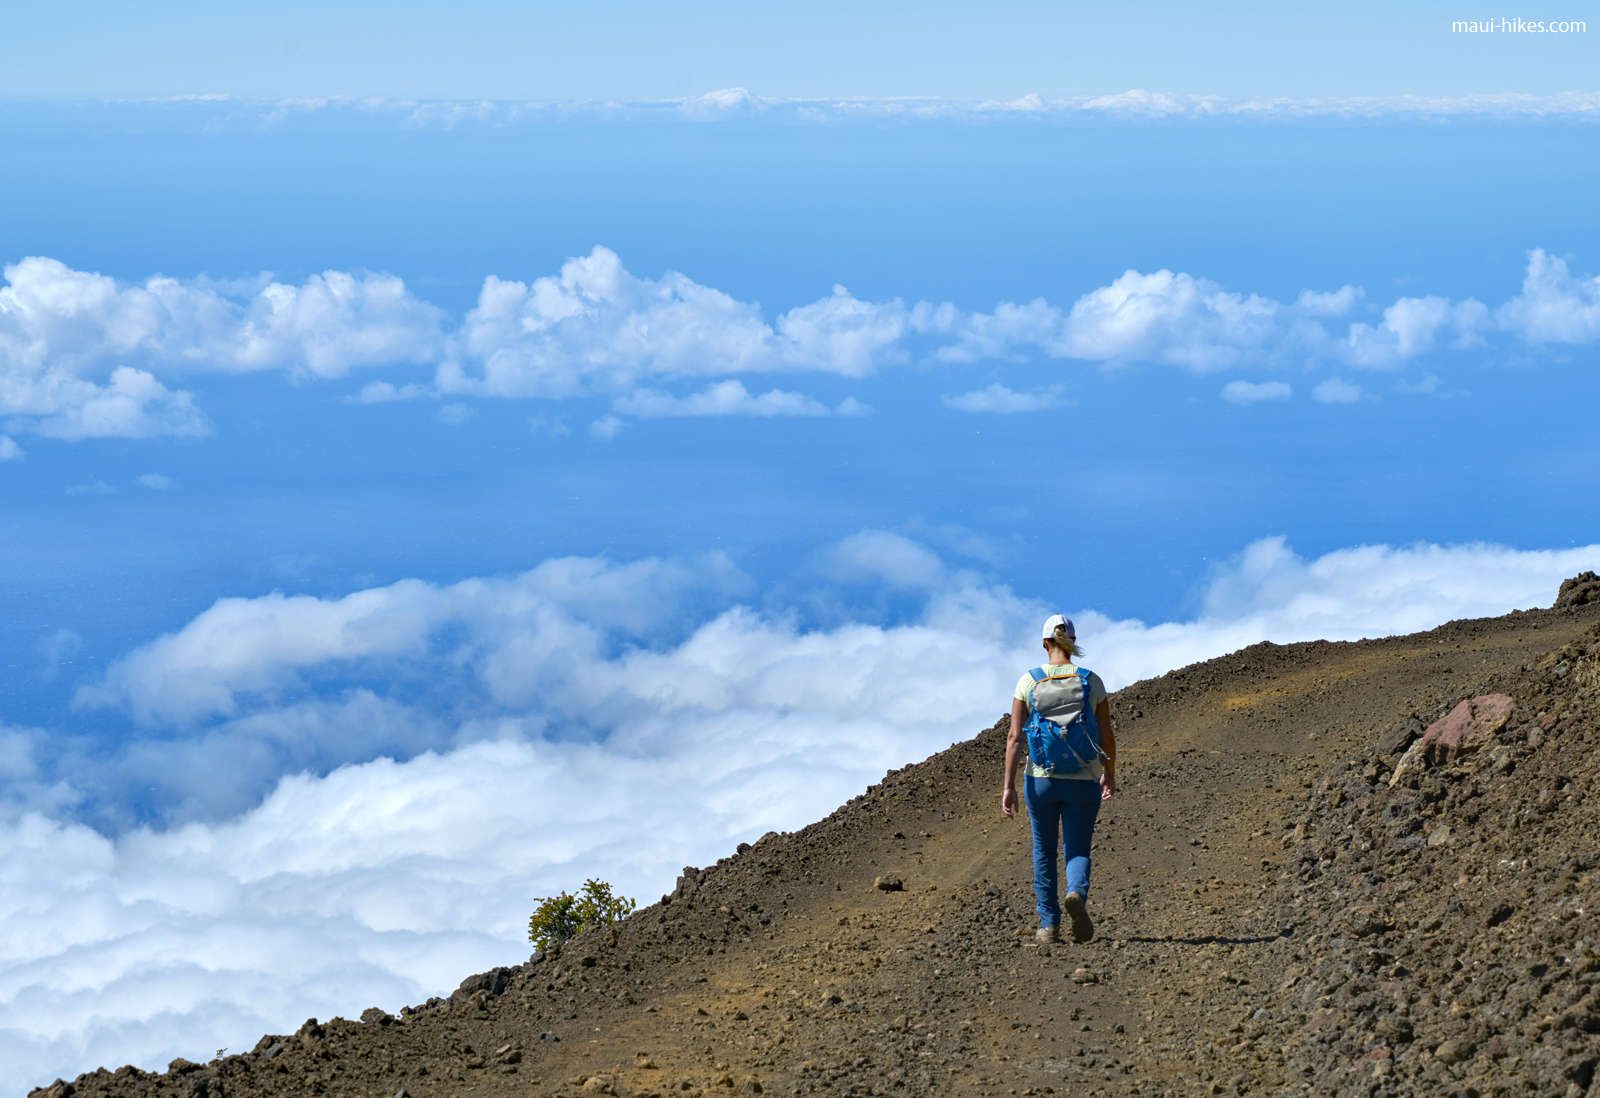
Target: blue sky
pixel 637 50
pixel 470 405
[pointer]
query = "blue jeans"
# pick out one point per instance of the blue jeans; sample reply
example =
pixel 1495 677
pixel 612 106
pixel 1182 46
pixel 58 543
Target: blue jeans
pixel 1062 812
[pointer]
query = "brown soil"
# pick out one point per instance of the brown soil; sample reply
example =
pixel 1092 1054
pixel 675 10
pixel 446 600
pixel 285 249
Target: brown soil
pixel 1272 917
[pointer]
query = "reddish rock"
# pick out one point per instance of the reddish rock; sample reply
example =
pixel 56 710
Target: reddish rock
pixel 1466 728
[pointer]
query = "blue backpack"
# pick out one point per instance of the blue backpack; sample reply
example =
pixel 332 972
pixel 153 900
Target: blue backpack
pixel 1062 732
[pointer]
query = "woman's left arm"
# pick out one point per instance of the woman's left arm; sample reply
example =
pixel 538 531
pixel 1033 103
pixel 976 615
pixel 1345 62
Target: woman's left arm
pixel 1016 744
pixel 1108 744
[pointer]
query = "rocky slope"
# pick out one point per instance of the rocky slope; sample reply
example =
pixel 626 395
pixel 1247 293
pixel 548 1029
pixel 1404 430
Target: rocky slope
pixel 1278 912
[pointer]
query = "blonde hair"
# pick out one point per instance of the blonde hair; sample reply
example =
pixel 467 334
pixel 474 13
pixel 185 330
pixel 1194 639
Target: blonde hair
pixel 1067 644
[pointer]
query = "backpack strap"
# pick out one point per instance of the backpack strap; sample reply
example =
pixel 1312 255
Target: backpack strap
pixel 1090 718
pixel 1038 677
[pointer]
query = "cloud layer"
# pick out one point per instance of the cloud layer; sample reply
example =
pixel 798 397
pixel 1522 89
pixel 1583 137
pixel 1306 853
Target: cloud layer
pixel 428 759
pixel 740 104
pixel 82 356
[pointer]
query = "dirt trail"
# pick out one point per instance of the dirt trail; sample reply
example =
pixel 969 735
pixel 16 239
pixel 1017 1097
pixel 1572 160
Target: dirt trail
pixel 1271 918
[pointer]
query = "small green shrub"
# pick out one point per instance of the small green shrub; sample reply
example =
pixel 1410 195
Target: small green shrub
pixel 559 917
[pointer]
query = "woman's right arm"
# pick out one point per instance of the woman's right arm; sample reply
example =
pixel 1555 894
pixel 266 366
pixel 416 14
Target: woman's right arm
pixel 1016 744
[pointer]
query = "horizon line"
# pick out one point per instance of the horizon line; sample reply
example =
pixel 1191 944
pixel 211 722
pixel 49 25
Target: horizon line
pixel 741 103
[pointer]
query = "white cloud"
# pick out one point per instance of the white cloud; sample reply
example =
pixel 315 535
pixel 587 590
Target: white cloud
pixel 1335 391
pixel 386 879
pixel 80 355
pixel 1429 383
pixel 155 481
pixel 1411 327
pixel 552 426
pixel 1338 303
pixel 1270 593
pixel 132 405
pixel 998 398
pixel 91 488
pixel 53 318
pixel 1379 590
pixel 454 415
pixel 1248 392
pixel 1193 324
pixel 260 647
pixel 725 398
pixel 9 450
pixel 1168 318
pixel 727 103
pixel 383 392
pixel 842 335
pixel 549 338
pixel 1554 307
pixel 337 321
pixel 881 557
pixel 607 427
pixel 598 326
pixel 1032 103
pixel 449 115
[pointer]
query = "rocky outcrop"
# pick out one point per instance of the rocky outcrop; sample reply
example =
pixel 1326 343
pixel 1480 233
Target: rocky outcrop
pixel 1580 590
pixel 1451 945
pixel 1465 729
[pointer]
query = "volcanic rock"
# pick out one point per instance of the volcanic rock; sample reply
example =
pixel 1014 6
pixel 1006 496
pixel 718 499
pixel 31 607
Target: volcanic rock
pixel 1466 728
pixel 1580 590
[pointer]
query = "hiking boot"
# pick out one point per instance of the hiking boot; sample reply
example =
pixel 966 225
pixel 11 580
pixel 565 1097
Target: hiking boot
pixel 1047 935
pixel 1082 928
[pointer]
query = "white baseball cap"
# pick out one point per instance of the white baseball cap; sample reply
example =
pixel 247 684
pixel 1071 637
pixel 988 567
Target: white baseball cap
pixel 1055 620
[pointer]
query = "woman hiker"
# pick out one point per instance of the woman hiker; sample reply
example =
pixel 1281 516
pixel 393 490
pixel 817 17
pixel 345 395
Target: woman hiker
pixel 1071 759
